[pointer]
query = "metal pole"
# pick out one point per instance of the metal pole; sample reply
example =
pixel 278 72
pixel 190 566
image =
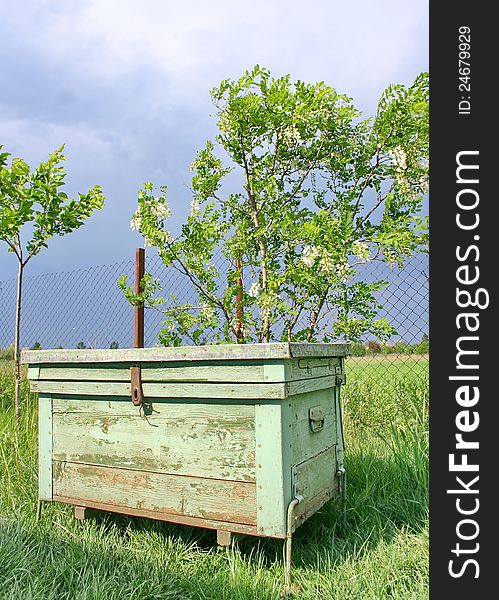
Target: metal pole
pixel 138 337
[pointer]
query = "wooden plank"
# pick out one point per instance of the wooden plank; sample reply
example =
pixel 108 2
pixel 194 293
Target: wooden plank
pixel 212 499
pixel 273 470
pixel 306 509
pixel 315 477
pixel 280 350
pixel 251 391
pixel 215 371
pixel 181 519
pixel 309 385
pixel 229 371
pixel 44 447
pixel 263 391
pixel 122 405
pixel 213 441
pixel 307 368
pixel 307 443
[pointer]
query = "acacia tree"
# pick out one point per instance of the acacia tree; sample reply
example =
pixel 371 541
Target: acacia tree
pixel 34 199
pixel 296 191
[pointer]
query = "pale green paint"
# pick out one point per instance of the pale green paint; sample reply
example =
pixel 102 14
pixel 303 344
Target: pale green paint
pixel 306 443
pixel 151 372
pixel 34 372
pixel 281 350
pixel 44 447
pixel 249 371
pixel 223 423
pixel 214 499
pixel 273 474
pixel 216 441
pixel 270 391
pixel 315 476
pixel 309 385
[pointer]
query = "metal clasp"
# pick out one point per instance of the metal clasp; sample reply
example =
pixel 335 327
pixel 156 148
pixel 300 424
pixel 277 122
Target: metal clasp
pixel 316 417
pixel 136 381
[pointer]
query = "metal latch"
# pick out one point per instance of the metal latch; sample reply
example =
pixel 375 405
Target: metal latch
pixel 316 417
pixel 136 381
pixel 341 379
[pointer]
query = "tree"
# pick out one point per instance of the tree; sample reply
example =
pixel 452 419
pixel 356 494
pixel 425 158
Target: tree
pixel 34 199
pixel 81 346
pixel 114 345
pixel 296 191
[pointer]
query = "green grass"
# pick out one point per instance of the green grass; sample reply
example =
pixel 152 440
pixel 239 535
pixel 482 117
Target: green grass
pixel 382 554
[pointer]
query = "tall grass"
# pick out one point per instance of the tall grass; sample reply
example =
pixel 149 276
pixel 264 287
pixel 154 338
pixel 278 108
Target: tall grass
pixel 382 554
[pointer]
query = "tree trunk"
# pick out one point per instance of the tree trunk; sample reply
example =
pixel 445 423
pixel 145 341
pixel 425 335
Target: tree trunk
pixel 239 303
pixel 315 318
pixel 263 254
pixel 17 344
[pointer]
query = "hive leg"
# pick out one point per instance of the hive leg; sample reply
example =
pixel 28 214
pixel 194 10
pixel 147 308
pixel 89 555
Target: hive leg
pixel 39 510
pixel 224 538
pixel 82 512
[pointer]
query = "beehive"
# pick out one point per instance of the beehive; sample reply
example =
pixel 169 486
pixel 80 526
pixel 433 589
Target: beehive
pixel 225 438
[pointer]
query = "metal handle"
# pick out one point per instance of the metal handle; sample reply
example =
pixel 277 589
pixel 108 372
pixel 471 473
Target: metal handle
pixel 316 417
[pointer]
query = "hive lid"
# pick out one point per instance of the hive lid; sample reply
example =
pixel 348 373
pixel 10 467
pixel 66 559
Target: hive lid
pixel 281 350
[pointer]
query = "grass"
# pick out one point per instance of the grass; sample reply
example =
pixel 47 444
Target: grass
pixel 382 554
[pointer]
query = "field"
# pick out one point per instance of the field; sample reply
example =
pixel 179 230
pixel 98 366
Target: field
pixel 382 554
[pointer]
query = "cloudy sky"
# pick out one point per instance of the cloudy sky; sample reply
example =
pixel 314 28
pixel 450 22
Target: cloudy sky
pixel 125 85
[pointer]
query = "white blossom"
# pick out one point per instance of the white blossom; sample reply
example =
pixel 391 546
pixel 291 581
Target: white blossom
pixel 343 271
pixel 254 289
pixel 309 255
pixel 291 135
pixel 399 158
pixel 327 264
pixel 135 222
pixel 361 250
pixel 195 207
pixel 161 209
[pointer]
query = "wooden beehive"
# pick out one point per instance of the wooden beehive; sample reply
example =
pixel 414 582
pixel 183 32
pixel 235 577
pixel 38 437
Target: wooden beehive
pixel 225 438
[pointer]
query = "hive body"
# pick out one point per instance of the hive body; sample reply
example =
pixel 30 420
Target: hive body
pixel 226 437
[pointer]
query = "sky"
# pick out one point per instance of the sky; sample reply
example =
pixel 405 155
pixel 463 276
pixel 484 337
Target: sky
pixel 125 86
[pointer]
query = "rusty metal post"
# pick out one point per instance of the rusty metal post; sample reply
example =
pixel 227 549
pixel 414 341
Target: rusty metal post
pixel 138 337
pixel 239 302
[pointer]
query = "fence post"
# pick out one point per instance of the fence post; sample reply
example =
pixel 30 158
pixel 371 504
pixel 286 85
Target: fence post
pixel 138 337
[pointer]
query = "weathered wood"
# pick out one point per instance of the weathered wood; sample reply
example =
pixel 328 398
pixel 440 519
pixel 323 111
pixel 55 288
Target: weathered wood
pixel 306 368
pixel 225 442
pixel 281 350
pixel 314 478
pixel 171 518
pixel 212 499
pixel 44 447
pixel 255 391
pixel 307 443
pixel 215 441
pixel 187 389
pixel 273 467
pixel 152 372
pixel 122 405
pixel 224 538
pixel 309 385
pixel 305 510
pixel 214 371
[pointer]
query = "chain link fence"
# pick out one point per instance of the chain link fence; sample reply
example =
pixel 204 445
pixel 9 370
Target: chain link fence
pixel 84 308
